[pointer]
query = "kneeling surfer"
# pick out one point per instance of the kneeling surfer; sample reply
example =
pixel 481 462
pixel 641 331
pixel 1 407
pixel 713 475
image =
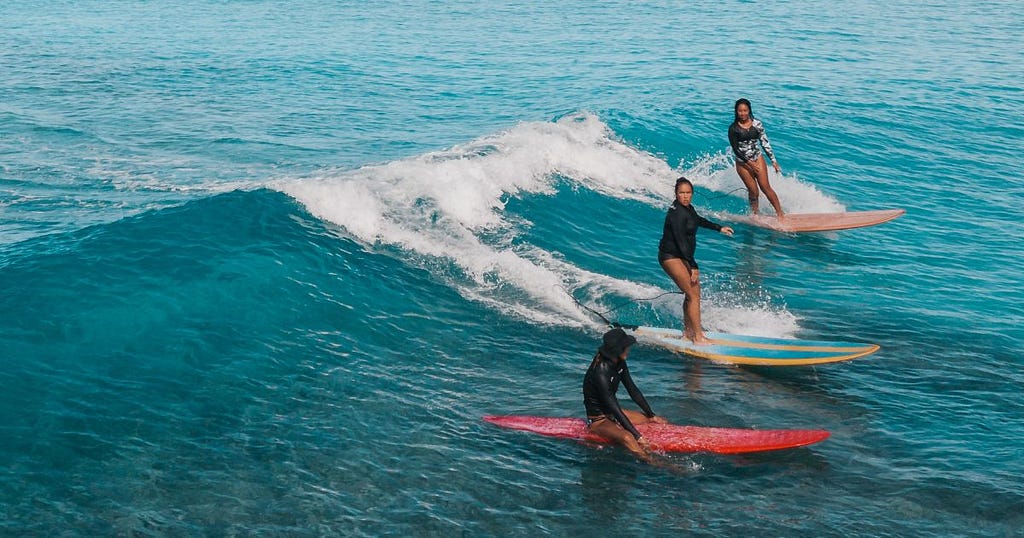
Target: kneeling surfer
pixel 605 417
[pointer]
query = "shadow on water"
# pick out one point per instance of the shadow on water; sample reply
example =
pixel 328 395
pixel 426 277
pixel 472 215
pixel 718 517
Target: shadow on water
pixel 703 377
pixel 760 246
pixel 608 480
pixel 758 463
pixel 610 477
pixel 753 258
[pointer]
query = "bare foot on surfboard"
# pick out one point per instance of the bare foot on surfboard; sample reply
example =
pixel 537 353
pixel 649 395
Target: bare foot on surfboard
pixel 698 339
pixel 701 340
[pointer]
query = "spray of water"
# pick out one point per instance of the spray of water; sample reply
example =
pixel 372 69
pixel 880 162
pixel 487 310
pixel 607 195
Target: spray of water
pixel 450 205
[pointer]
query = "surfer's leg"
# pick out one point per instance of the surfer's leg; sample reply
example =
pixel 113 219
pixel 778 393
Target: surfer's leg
pixel 609 429
pixel 688 283
pixel 635 417
pixel 691 305
pixel 679 272
pixel 766 187
pixel 747 177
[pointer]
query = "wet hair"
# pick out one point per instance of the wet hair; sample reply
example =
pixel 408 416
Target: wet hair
pixel 680 181
pixel 736 107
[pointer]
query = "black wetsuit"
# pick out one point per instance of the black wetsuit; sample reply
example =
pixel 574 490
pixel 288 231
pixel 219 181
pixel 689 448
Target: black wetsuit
pixel 599 388
pixel 679 238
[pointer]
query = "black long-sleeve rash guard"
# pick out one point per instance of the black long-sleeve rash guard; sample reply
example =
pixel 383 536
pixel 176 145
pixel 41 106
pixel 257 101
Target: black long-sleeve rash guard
pixel 679 237
pixel 600 385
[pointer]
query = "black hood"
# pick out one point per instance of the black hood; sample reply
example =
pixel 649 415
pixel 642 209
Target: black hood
pixel 615 342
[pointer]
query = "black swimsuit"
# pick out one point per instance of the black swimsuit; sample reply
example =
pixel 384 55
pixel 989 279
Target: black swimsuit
pixel 679 236
pixel 744 141
pixel 599 387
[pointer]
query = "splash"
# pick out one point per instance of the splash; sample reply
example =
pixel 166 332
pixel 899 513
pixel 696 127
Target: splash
pixel 718 173
pixel 449 205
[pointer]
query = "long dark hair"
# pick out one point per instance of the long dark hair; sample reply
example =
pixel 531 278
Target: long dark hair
pixel 741 101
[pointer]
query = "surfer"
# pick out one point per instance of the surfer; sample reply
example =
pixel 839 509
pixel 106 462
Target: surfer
pixel 605 417
pixel 744 134
pixel 675 253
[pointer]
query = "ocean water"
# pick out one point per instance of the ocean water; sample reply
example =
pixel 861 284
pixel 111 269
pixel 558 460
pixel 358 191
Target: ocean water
pixel 264 265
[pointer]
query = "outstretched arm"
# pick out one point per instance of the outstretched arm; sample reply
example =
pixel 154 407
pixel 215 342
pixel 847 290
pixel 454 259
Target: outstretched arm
pixel 635 393
pixel 705 223
pixel 638 397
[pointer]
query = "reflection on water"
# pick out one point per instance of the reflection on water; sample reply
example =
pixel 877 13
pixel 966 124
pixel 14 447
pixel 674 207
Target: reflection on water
pixel 607 480
pixel 754 258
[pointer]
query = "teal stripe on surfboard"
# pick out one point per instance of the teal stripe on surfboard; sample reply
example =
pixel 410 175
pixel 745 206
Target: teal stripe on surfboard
pixel 742 340
pixel 756 350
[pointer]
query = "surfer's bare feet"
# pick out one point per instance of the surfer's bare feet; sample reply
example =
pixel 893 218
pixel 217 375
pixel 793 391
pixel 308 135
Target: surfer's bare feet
pixel 701 340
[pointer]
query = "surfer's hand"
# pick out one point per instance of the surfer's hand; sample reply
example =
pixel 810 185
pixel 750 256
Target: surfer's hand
pixel 644 444
pixel 726 230
pixel 776 166
pixel 659 420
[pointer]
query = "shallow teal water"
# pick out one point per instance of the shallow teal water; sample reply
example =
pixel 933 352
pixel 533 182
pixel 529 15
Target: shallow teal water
pixel 263 266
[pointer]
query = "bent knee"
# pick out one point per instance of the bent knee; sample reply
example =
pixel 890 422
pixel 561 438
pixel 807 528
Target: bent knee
pixel 631 444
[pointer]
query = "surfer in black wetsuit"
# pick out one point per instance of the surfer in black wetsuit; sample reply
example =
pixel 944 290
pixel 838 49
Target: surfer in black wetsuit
pixel 605 417
pixel 744 134
pixel 675 253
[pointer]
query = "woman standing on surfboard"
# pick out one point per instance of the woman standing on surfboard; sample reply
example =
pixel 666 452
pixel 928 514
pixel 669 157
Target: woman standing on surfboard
pixel 605 417
pixel 675 253
pixel 744 135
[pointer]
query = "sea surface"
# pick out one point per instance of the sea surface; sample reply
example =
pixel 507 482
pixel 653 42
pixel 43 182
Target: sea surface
pixel 264 265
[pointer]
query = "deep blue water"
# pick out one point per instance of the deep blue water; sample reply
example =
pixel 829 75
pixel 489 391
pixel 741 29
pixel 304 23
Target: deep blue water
pixel 264 265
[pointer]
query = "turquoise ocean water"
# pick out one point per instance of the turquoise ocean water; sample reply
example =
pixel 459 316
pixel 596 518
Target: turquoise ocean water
pixel 264 264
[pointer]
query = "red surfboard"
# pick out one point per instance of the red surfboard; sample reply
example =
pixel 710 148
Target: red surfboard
pixel 671 437
pixel 824 222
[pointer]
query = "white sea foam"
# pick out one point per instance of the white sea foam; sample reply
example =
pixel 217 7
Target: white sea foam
pixel 718 173
pixel 450 205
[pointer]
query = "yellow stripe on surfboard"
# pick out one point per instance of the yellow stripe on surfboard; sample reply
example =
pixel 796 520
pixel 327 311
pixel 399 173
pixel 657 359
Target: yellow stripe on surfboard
pixel 754 350
pixel 857 348
pixel 756 361
pixel 757 345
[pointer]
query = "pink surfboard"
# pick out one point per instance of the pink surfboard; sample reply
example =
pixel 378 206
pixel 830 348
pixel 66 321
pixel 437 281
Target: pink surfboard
pixel 824 222
pixel 671 437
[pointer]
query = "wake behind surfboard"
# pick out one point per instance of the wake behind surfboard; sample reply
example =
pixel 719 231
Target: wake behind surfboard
pixel 754 350
pixel 822 222
pixel 671 437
